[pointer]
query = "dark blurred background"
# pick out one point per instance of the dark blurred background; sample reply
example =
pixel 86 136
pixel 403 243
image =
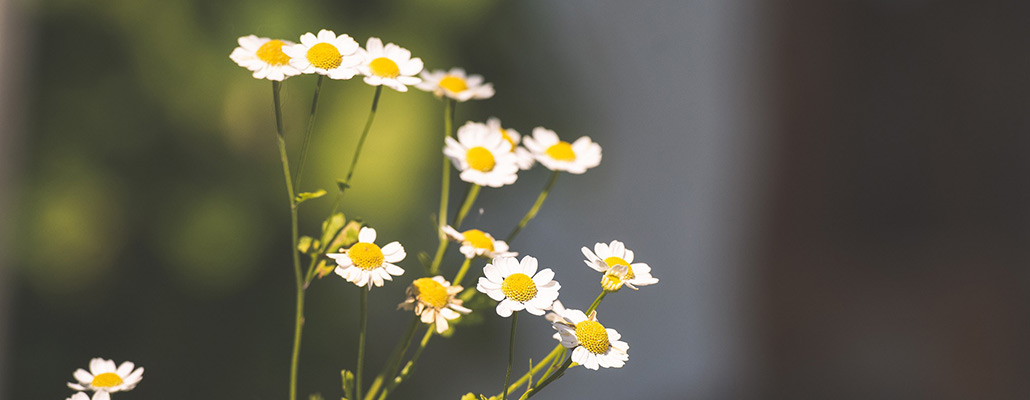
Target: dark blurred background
pixel 830 193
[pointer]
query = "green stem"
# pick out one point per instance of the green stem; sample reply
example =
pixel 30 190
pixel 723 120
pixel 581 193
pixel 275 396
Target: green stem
pixel 461 272
pixel 536 207
pixel 540 365
pixel 284 160
pixel 409 367
pixel 364 134
pixel 511 354
pixel 445 188
pixel 307 134
pixel 597 302
pixel 551 378
pixel 470 198
pixel 363 325
pixel 394 362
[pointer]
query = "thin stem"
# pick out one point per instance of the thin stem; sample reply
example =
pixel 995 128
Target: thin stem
pixel 364 134
pixel 461 271
pixel 394 362
pixel 551 378
pixel 409 367
pixel 597 302
pixel 536 368
pixel 511 354
pixel 445 188
pixel 307 134
pixel 536 207
pixel 284 160
pixel 363 325
pixel 470 198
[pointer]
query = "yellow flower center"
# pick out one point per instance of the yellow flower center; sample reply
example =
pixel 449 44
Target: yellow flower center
pixel 431 292
pixel 384 67
pixel 272 53
pixel 613 261
pixel 324 56
pixel 106 380
pixel 613 280
pixel 562 151
pixel 454 84
pixel 592 336
pixel 481 159
pixel 519 287
pixel 507 138
pixel 366 256
pixel 479 239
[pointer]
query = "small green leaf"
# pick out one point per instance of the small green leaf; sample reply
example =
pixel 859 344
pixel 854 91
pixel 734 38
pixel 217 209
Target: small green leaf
pixel 304 244
pixel 347 237
pixel 305 196
pixel 348 383
pixel 331 226
pixel 424 259
pixel 324 268
pixel 316 396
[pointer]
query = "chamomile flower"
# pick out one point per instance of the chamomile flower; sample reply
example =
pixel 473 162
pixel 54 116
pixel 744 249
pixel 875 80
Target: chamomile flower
pixel 103 376
pixel 326 54
pixel 523 157
pixel 615 261
pixel 365 263
pixel 482 155
pixel 390 65
pixel 592 344
pixel 433 300
pixel 475 242
pixel 456 85
pixel 265 57
pixel 518 285
pixel 558 155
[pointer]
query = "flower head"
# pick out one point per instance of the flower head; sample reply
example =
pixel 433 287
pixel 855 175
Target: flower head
pixel 518 285
pixel 615 261
pixel 523 157
pixel 265 57
pixel 326 54
pixel 365 263
pixel 456 85
pixel 558 155
pixel 433 300
pixel 389 65
pixel 475 242
pixel 482 155
pixel 104 377
pixel 593 345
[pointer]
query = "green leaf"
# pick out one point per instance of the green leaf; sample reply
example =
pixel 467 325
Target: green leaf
pixel 316 396
pixel 304 244
pixel 305 196
pixel 331 226
pixel 348 383
pixel 424 259
pixel 347 237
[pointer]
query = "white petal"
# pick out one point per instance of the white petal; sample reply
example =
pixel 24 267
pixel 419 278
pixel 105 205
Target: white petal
pixel 125 368
pixel 543 277
pixel 528 266
pixel 367 235
pixel 393 270
pixel 101 395
pixel 83 376
pixel 504 309
pixel 394 252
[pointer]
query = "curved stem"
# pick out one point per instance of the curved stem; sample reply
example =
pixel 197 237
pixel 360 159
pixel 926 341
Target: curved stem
pixel 461 271
pixel 511 354
pixel 364 134
pixel 536 368
pixel 409 367
pixel 363 325
pixel 551 378
pixel 597 302
pixel 394 362
pixel 307 134
pixel 536 207
pixel 470 198
pixel 284 160
pixel 445 188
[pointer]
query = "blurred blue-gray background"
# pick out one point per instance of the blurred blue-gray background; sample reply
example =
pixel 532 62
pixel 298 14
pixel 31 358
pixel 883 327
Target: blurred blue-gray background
pixel 832 193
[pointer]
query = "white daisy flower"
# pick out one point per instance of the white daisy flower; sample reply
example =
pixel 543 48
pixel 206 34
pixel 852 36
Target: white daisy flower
pixel 522 156
pixel 83 396
pixel 615 261
pixel 592 344
pixel 104 377
pixel 433 300
pixel 558 155
pixel 391 66
pixel 326 54
pixel 456 85
pixel 518 285
pixel 475 242
pixel 365 263
pixel 265 57
pixel 482 155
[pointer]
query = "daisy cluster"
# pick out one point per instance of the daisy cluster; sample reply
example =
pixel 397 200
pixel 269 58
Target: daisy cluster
pixel 485 154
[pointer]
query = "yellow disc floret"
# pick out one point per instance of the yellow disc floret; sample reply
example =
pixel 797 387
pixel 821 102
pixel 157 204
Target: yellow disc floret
pixel 366 256
pixel 480 159
pixel 272 53
pixel 431 292
pixel 324 56
pixel 454 84
pixel 592 336
pixel 106 380
pixel 562 151
pixel 507 138
pixel 384 68
pixel 478 239
pixel 613 261
pixel 519 287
